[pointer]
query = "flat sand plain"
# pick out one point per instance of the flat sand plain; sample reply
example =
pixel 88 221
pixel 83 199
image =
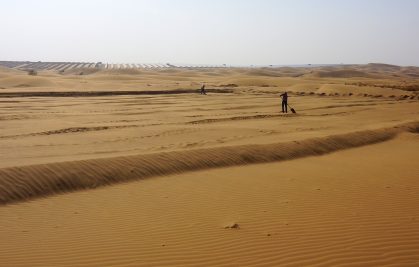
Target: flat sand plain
pixel 231 181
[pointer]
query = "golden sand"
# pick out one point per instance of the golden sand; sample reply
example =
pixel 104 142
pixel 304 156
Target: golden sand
pixel 231 181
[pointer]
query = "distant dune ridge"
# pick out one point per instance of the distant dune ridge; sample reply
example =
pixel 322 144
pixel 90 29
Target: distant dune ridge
pixel 369 80
pixel 22 183
pixel 341 74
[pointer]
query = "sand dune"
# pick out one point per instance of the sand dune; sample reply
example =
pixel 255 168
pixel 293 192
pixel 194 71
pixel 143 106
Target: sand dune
pixel 348 73
pixel 306 212
pixel 63 126
pixel 382 67
pixel 39 180
pixel 98 93
pixel 5 72
pixel 25 81
pixel 121 71
pixel 231 180
pixel 361 78
pixel 80 71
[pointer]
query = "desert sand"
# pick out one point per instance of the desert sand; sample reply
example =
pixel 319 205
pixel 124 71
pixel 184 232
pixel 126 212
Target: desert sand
pixel 132 167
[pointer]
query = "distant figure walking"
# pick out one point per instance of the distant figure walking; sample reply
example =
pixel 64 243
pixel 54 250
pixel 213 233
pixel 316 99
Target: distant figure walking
pixel 284 102
pixel 203 92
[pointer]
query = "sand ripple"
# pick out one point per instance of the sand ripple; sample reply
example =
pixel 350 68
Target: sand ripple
pixel 22 183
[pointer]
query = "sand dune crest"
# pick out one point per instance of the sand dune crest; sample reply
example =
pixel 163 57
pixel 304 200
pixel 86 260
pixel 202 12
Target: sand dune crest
pixel 22 183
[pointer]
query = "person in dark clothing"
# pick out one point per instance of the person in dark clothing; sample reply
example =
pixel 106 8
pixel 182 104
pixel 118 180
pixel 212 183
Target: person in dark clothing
pixel 284 102
pixel 203 92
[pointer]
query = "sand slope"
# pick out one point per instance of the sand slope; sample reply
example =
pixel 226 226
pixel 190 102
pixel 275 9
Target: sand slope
pixel 231 180
pixel 306 212
pixel 398 80
pixel 21 183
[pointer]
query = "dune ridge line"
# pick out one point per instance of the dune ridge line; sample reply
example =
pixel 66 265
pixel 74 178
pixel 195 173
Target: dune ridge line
pixel 108 93
pixel 28 182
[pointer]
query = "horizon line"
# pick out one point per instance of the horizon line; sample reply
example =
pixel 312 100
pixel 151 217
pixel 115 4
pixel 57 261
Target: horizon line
pixel 101 64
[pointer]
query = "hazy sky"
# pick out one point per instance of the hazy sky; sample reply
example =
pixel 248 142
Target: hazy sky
pixel 211 31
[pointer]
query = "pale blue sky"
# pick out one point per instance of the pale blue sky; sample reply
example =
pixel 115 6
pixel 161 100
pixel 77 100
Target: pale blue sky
pixel 211 31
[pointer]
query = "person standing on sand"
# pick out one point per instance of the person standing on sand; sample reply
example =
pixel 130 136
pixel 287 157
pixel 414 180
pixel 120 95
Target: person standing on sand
pixel 203 92
pixel 284 97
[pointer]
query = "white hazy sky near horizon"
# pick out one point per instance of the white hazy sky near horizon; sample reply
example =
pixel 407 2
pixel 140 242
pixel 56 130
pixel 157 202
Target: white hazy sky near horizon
pixel 211 32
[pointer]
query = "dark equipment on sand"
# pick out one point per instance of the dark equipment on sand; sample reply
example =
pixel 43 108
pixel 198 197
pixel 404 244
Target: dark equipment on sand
pixel 292 110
